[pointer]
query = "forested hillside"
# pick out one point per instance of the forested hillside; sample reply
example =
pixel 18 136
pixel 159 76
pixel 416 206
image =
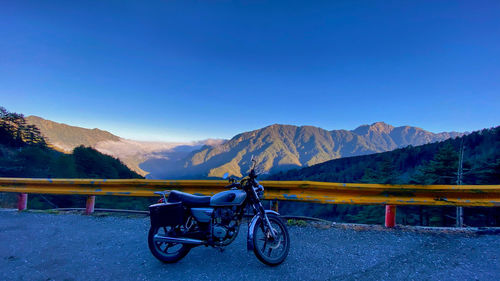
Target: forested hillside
pixel 435 163
pixel 68 137
pixel 24 153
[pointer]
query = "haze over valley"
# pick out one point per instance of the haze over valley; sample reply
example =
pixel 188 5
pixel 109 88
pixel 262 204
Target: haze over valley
pixel 133 153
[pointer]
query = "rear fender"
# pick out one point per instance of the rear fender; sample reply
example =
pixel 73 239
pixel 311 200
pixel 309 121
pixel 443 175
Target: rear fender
pixel 251 228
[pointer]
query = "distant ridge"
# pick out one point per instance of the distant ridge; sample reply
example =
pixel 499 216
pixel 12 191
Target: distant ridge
pixel 387 137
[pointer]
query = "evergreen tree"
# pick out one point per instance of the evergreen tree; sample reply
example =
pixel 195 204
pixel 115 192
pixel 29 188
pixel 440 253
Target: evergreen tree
pixel 385 173
pixel 441 169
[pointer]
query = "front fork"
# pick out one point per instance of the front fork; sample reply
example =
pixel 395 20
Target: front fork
pixel 271 231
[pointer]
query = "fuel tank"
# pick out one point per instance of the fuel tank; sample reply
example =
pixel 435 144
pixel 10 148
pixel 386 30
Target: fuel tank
pixel 228 198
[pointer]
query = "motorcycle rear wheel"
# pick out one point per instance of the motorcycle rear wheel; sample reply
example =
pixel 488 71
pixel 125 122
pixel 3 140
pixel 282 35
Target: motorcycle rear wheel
pixel 268 250
pixel 163 251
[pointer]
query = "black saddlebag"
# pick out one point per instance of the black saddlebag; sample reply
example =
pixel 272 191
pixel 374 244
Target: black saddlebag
pixel 166 214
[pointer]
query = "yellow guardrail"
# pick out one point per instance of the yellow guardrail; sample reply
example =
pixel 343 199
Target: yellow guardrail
pixel 306 191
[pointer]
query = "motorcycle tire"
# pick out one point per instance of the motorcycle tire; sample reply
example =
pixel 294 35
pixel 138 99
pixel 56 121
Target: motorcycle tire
pixel 263 253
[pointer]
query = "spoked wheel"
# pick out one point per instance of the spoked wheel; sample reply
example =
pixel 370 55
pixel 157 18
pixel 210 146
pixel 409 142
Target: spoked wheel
pixel 164 251
pixel 269 250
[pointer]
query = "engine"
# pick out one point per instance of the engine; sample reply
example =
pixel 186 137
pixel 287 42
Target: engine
pixel 224 223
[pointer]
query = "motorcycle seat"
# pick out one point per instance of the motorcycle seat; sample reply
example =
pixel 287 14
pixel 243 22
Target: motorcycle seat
pixel 189 200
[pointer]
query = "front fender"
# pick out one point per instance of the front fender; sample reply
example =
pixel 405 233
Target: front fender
pixel 252 225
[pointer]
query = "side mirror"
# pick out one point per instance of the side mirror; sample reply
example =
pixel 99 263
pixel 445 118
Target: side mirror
pixel 254 162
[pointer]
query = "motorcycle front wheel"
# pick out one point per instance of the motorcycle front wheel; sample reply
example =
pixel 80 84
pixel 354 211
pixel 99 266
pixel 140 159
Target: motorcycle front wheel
pixel 164 251
pixel 269 250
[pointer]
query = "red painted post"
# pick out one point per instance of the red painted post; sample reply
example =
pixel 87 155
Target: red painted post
pixel 22 202
pixel 89 208
pixel 390 216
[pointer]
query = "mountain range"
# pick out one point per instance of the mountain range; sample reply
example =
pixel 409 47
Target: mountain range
pixel 281 147
pixel 276 147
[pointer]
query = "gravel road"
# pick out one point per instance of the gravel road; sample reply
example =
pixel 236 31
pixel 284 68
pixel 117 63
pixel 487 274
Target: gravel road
pixel 41 246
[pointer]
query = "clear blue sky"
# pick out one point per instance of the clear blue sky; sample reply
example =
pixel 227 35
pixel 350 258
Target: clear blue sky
pixel 179 70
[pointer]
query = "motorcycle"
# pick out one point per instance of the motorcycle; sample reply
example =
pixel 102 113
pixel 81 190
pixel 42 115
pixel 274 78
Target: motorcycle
pixel 184 221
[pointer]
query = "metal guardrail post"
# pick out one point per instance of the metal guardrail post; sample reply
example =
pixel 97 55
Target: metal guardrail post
pixel 89 207
pixel 390 216
pixel 274 205
pixel 22 203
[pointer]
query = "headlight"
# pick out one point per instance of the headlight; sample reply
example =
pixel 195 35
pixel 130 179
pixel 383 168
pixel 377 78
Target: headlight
pixel 260 191
pixel 260 194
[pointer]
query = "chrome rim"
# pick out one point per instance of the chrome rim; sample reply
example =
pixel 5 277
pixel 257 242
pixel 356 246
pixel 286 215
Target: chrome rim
pixel 165 248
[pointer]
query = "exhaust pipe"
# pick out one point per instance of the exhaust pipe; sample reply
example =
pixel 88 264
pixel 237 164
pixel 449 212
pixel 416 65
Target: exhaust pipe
pixel 161 238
